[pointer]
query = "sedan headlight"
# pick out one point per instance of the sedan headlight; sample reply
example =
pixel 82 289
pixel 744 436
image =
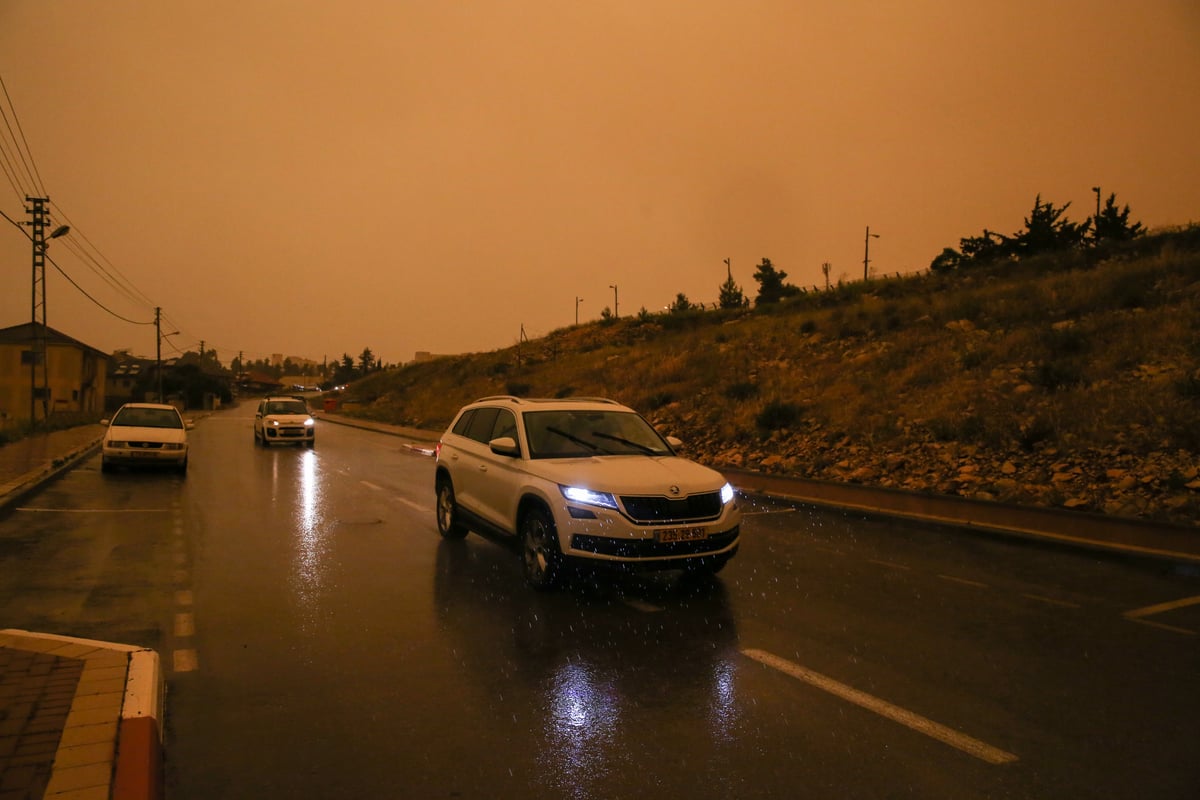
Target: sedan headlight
pixel 116 443
pixel 726 494
pixel 587 497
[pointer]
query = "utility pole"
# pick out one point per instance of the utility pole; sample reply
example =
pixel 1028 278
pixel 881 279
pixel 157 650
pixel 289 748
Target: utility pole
pixel 867 253
pixel 39 335
pixel 616 308
pixel 825 269
pixel 201 351
pixel 158 349
pixel 578 300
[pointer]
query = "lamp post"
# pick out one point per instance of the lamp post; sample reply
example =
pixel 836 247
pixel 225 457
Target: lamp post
pixel 867 252
pixel 578 300
pixel 616 312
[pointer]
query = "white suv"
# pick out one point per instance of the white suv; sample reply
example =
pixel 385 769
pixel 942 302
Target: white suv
pixel 284 419
pixel 584 480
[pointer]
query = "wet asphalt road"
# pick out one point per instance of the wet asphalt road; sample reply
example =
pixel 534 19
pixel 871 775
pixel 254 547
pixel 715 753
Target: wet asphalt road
pixel 321 641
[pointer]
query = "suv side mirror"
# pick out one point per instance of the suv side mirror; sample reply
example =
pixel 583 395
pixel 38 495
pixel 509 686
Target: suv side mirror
pixel 505 446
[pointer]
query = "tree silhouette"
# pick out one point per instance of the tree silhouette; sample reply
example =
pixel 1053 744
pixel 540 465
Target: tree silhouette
pixel 1047 230
pixel 771 288
pixel 1113 223
pixel 731 294
pixel 681 304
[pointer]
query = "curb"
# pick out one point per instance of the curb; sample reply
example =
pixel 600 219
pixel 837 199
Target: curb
pixel 26 484
pixel 111 742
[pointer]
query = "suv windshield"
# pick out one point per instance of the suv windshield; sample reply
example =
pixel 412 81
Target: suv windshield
pixel 571 434
pixel 148 418
pixel 286 407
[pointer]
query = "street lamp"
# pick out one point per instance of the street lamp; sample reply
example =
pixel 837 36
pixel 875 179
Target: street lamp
pixel 616 312
pixel 578 300
pixel 867 252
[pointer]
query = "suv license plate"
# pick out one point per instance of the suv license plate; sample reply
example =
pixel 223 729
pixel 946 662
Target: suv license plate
pixel 680 534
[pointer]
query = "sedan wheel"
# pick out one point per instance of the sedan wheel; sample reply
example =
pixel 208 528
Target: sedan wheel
pixel 539 547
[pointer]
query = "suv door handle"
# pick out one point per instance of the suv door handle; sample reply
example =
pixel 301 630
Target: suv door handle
pixel 483 467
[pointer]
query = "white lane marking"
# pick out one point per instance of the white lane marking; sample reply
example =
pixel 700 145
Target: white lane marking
pixel 1139 614
pixel 888 564
pixel 1162 626
pixel 913 721
pixel 39 510
pixel 183 597
pixel 1052 601
pixel 411 504
pixel 640 605
pixel 1159 608
pixel 417 506
pixel 770 511
pixel 185 625
pixel 963 581
pixel 185 661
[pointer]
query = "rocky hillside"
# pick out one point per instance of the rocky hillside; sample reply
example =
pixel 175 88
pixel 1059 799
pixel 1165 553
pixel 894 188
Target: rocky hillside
pixel 1071 382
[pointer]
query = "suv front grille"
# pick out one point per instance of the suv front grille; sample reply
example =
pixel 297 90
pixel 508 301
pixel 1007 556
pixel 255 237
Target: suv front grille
pixel 661 510
pixel 648 548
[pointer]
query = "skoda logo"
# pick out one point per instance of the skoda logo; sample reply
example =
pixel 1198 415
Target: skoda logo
pixel 674 490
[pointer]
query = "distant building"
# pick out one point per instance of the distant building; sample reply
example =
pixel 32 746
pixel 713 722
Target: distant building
pixel 72 380
pixel 128 376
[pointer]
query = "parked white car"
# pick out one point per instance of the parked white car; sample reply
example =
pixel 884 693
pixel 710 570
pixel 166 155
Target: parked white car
pixel 585 481
pixel 145 434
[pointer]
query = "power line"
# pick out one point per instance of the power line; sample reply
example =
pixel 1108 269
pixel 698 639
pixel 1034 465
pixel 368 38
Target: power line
pixel 30 166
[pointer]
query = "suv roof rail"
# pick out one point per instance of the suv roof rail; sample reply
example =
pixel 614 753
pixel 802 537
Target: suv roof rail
pixel 515 399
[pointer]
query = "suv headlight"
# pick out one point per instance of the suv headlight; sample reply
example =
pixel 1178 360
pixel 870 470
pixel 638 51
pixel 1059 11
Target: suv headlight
pixel 587 497
pixel 726 494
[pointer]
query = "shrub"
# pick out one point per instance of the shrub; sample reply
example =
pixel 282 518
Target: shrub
pixel 518 388
pixel 778 414
pixel 742 390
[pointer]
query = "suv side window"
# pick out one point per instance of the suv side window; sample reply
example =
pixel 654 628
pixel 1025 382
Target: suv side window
pixel 460 427
pixel 506 425
pixel 482 424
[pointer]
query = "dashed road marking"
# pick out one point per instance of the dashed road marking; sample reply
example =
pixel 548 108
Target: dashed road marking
pixel 889 564
pixel 641 605
pixel 963 581
pixel 1139 614
pixel 417 506
pixel 185 661
pixel 1052 601
pixel 909 719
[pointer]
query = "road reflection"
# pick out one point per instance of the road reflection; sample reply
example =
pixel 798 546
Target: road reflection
pixel 297 487
pixel 588 672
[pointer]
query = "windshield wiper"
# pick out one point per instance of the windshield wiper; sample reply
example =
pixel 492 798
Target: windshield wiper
pixel 650 451
pixel 559 432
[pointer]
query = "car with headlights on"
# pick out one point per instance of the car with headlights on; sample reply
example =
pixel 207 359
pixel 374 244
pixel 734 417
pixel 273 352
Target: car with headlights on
pixel 284 419
pixel 145 435
pixel 581 481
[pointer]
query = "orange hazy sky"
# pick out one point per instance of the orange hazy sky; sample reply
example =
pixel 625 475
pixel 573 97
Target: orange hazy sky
pixel 311 178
